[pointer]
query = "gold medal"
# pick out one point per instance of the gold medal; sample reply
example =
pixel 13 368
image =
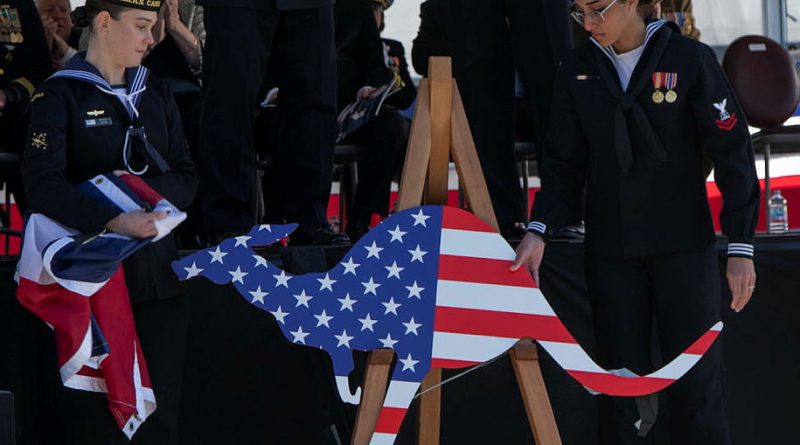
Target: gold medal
pixel 658 97
pixel 14 17
pixel 671 82
pixel 658 82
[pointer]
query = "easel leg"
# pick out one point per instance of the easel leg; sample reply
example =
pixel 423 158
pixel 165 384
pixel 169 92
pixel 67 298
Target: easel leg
pixel 525 359
pixel 430 410
pixel 376 378
pixel 415 168
pixel 441 78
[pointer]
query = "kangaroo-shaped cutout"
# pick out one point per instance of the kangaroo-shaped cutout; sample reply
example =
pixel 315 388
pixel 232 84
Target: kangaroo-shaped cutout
pixel 433 284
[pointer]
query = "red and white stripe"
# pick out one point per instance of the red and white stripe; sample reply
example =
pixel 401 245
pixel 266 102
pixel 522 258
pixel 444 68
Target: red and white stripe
pixel 483 309
pixel 398 398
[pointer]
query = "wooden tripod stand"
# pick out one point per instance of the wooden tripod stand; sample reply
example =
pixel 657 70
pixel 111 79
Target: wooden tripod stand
pixel 439 130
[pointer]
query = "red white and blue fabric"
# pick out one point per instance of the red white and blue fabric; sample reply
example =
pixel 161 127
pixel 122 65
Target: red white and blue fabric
pixel 431 283
pixel 75 283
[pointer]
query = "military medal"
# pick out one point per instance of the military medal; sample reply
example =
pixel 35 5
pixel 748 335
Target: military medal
pixel 5 25
pixel 16 26
pixel 658 82
pixel 671 83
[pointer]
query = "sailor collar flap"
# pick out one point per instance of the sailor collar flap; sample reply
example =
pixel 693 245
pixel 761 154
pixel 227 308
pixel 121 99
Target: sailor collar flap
pixel 78 68
pixel 136 144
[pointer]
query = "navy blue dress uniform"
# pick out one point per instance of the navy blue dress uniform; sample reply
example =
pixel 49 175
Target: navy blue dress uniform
pixel 293 41
pixel 650 243
pixel 24 63
pixel 78 130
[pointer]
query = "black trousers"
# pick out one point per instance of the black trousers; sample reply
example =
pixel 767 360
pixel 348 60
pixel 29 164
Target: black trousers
pixel 385 138
pixel 161 327
pixel 484 69
pixel 540 38
pixel 297 48
pixel 680 293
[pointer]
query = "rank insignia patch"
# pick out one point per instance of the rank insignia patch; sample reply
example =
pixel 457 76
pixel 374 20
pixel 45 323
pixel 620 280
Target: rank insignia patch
pixel 39 140
pixel 726 120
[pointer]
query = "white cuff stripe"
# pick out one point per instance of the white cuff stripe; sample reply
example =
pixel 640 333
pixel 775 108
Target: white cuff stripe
pixel 537 226
pixel 740 249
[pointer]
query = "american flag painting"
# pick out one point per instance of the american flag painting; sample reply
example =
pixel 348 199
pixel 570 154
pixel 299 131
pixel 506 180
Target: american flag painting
pixel 433 284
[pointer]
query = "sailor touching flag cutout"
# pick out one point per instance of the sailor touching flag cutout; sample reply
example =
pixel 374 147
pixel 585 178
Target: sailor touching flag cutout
pixel 433 284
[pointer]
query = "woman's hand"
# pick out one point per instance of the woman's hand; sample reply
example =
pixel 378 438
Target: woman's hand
pixel 137 224
pixel 530 253
pixel 742 281
pixel 172 15
pixel 365 91
pixel 50 30
pixel 159 29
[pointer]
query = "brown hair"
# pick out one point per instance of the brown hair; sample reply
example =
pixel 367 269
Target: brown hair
pixel 83 16
pixel 647 8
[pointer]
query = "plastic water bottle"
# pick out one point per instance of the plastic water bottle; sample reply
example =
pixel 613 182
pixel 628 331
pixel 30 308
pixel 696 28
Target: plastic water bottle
pixel 778 213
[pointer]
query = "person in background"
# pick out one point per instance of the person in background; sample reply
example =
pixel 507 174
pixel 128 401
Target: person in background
pixel 136 111
pixel 491 42
pixel 24 64
pixel 177 57
pixel 676 11
pixel 395 55
pixel 633 109
pixel 177 51
pixel 62 37
pixel 293 41
pixel 362 66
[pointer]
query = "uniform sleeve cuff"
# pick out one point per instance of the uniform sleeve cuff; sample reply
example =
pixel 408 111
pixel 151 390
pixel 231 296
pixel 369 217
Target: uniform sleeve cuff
pixel 740 250
pixel 537 227
pixel 68 55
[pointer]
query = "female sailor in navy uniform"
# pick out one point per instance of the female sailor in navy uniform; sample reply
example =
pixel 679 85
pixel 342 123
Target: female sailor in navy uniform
pixel 104 113
pixel 633 110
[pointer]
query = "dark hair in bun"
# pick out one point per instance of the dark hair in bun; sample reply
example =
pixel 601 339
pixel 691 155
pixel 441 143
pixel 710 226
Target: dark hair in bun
pixel 83 16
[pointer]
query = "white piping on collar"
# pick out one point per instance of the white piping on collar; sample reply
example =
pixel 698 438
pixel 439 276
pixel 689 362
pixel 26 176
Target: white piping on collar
pixel 129 101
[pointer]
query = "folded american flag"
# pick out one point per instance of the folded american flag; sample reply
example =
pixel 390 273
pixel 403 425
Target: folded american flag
pixel 75 283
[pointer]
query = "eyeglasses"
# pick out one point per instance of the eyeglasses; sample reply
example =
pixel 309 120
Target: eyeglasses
pixel 592 16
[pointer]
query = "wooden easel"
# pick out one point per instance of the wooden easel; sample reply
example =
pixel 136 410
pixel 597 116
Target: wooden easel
pixel 439 130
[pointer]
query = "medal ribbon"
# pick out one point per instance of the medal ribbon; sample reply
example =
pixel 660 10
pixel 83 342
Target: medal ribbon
pixel 658 80
pixel 671 81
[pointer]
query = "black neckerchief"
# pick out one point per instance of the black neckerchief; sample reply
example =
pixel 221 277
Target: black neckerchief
pixel 628 107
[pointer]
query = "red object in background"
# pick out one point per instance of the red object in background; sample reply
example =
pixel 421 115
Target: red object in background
pixel 790 189
pixel 788 185
pixel 14 242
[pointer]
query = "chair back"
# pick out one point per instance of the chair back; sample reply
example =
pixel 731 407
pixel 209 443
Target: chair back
pixel 764 78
